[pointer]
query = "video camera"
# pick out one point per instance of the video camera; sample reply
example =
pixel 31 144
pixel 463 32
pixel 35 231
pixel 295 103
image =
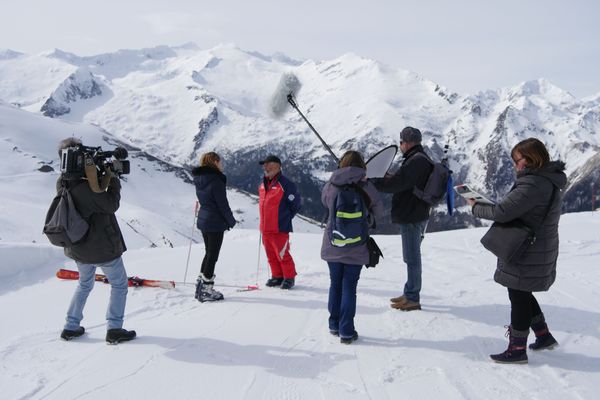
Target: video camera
pixel 73 161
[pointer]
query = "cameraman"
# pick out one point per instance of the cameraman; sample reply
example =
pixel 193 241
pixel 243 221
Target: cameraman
pixel 101 247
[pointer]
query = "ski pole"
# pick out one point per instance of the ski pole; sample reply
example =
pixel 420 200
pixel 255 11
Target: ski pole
pixel 254 287
pixel 187 263
pixel 258 257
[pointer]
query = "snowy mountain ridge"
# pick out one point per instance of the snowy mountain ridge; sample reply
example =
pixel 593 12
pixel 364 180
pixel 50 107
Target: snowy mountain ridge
pixel 177 102
pixel 157 198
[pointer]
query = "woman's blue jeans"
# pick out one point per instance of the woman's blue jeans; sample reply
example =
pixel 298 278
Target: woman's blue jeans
pixel 342 297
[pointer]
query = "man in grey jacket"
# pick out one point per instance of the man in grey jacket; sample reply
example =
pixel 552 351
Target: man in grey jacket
pixel 102 247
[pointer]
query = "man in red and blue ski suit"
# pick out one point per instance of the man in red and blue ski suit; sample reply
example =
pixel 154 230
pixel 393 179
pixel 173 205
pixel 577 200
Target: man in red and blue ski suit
pixel 279 201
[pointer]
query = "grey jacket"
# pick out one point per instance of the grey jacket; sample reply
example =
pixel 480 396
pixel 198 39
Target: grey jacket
pixel 357 255
pixel 527 200
pixel 104 241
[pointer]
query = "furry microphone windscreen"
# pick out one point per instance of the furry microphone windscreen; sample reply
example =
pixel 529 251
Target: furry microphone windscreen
pixel 289 83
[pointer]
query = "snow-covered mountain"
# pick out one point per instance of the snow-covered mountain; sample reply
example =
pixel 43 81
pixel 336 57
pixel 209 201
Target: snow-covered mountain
pixel 157 199
pixel 80 85
pixel 175 103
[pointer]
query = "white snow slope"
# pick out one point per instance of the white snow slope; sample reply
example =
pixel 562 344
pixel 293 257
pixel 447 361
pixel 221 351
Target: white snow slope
pixel 157 207
pixel 274 344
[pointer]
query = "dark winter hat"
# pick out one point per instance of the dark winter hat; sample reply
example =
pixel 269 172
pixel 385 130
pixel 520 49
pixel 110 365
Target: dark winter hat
pixel 411 135
pixel 270 158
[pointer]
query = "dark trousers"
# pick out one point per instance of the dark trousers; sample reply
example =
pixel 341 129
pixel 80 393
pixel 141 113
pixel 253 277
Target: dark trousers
pixel 523 307
pixel 342 297
pixel 212 246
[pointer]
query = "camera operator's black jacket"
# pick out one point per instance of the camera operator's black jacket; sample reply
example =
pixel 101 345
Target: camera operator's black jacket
pixel 415 170
pixel 104 241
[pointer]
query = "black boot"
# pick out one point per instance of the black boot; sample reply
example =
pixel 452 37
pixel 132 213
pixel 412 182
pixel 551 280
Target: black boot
pixel 349 340
pixel 517 348
pixel 208 293
pixel 543 337
pixel 118 335
pixel 288 283
pixel 68 334
pixel 205 290
pixel 274 282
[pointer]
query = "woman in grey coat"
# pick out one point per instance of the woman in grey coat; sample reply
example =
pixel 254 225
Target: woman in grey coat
pixel 345 256
pixel 535 200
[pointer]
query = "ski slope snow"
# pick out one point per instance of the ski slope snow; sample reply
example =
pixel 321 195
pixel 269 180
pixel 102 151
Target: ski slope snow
pixel 274 344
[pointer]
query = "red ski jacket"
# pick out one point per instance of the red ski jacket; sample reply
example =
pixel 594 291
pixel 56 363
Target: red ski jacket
pixel 279 201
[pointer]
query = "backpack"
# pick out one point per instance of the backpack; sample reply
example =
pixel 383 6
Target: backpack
pixel 349 226
pixel 439 184
pixel 64 226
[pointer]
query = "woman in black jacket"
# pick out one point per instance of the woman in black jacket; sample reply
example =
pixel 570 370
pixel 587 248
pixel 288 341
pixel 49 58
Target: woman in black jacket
pixel 214 218
pixel 534 200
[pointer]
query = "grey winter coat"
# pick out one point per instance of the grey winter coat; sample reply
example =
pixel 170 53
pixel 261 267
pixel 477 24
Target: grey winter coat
pixel 527 200
pixel 357 255
pixel 104 241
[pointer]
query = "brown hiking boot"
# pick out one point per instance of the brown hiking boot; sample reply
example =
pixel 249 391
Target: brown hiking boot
pixel 407 306
pixel 399 299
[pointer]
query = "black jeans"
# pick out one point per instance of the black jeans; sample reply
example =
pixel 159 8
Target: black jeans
pixel 523 307
pixel 212 246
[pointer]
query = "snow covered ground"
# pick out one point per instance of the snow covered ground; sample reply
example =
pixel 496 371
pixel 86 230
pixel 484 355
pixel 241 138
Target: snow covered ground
pixel 274 344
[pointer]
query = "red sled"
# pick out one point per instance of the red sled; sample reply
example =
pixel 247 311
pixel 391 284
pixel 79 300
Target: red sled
pixel 131 281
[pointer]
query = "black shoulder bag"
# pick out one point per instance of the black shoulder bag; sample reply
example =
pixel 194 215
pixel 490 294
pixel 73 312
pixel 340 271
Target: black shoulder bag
pixel 516 236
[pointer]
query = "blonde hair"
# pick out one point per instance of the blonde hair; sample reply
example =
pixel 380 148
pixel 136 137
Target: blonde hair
pixel 352 158
pixel 210 159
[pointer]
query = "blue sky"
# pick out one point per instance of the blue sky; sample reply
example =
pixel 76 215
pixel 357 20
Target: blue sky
pixel 466 45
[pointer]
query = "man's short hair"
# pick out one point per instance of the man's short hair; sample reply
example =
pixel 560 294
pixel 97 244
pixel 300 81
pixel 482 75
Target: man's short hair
pixel 411 135
pixel 66 143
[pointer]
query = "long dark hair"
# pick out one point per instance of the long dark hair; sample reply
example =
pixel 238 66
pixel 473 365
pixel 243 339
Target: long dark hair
pixel 533 151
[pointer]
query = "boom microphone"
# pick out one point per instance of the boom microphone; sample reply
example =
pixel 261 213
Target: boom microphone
pixel 289 84
pixel 286 90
